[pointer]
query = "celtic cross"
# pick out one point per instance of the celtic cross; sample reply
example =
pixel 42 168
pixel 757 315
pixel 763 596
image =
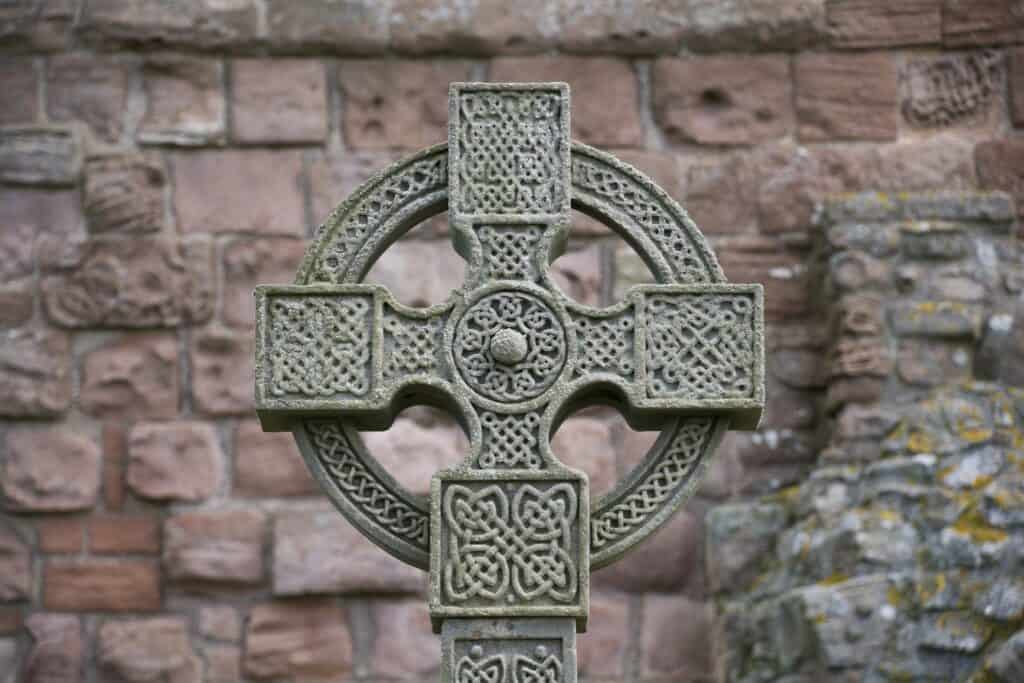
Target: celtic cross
pixel 510 535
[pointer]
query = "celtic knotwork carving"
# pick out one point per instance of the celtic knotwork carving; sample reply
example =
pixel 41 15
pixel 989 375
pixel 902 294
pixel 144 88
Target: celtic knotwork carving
pixel 320 346
pixel 509 251
pixel 363 487
pixel 544 665
pixel 410 345
pixel 541 668
pixel 509 157
pixel 605 344
pixel 537 330
pixel 501 550
pixel 510 441
pixel 638 203
pixel 475 668
pixel 675 466
pixel 699 346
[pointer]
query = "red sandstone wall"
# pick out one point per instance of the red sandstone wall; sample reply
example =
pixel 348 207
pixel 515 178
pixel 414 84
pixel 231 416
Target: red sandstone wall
pixel 160 158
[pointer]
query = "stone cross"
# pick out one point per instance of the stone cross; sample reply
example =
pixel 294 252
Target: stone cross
pixel 510 535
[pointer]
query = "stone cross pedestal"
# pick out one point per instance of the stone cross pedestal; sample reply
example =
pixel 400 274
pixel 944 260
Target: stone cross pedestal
pixel 510 535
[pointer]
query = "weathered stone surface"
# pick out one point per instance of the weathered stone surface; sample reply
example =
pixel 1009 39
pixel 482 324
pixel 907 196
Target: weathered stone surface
pixel 936 319
pixel 60 535
pixel 846 97
pixel 405 646
pixel 57 652
pixel 354 27
pixel 139 650
pixel 854 271
pixel 223 663
pixel 102 586
pixel 214 191
pixel 52 469
pixel 278 101
pixel 729 100
pixel 739 539
pixel 941 161
pixel 479 28
pixel 318 551
pixel 220 623
pixel 585 443
pixel 35 373
pixel 222 371
pixel 436 446
pixel 877 23
pixel 145 282
pixel 15 566
pixel 124 193
pixel 269 464
pixel 720 196
pixel 1000 166
pixel 874 207
pixel 117 534
pixel 981 22
pixel 1015 71
pixel 206 24
pixel 37 24
pixel 605 95
pixel 20 84
pixel 297 639
pixel 675 638
pixel 249 262
pixel 135 376
pixel 667 562
pixel 601 650
pixel 400 104
pixel 215 547
pixel 951 89
pixel 39 155
pixel 88 88
pixel 31 216
pixel 9 660
pixel 1007 663
pixel 742 25
pixel 185 102
pixel 624 28
pixel 175 461
pixel 397 270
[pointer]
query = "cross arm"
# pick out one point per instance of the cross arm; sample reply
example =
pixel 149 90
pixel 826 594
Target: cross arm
pixel 331 349
pixel 675 350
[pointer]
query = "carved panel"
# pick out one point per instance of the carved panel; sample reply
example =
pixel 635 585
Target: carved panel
pixel 606 344
pixel 509 251
pixel 526 660
pixel 410 345
pixel 948 89
pixel 510 441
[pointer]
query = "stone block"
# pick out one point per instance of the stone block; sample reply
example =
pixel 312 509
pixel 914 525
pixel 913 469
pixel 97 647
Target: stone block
pixel 757 259
pixel 605 95
pixel 223 663
pixel 278 101
pixel 721 196
pixel 669 561
pixel 35 373
pixel 396 104
pixel 855 271
pixel 42 155
pixel 353 27
pixel 740 538
pixel 872 207
pixel 981 22
pixel 269 464
pixel 140 650
pixel 846 97
pixel 622 28
pixel 585 444
pixel 601 651
pixel 145 282
pixel 185 103
pixel 134 376
pixel 1015 71
pixel 115 438
pixel 88 88
pixel 124 193
pixel 197 24
pixel 214 548
pixel 220 623
pixel 675 639
pixel 60 534
pixel 50 470
pixel 1000 166
pixel 726 100
pixel 297 640
pixel 20 84
pixel 485 28
pixel 57 654
pixel 318 551
pixel 436 447
pixel 173 461
pixel 37 25
pixel 405 646
pixel 222 372
pixel 940 161
pixel 252 261
pixel 1007 660
pixel 745 25
pixel 91 585
pixel 952 90
pixel 943 319
pixel 878 23
pixel 214 191
pixel 117 534
pixel 32 219
pixel 16 581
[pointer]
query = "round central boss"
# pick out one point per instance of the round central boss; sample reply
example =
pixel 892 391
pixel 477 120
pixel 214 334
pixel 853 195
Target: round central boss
pixel 509 346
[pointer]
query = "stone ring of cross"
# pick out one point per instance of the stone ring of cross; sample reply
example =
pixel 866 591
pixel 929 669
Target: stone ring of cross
pixel 509 532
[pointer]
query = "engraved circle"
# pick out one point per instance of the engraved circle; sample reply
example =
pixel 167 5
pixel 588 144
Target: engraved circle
pixel 508 316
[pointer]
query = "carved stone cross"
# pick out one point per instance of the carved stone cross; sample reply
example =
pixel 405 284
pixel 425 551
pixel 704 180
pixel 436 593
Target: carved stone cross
pixel 510 535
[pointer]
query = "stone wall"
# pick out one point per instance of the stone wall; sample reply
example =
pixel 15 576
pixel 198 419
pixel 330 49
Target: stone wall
pixel 158 158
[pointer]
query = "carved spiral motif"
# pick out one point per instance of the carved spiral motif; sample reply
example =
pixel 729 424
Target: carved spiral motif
pixel 480 344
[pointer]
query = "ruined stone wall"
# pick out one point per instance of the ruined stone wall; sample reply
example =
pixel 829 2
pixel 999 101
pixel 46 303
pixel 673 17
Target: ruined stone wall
pixel 159 158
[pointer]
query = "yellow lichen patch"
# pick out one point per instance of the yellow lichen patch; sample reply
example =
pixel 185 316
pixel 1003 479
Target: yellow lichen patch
pixel 930 587
pixel 894 597
pixel 832 580
pixel 974 526
pixel 890 516
pixel 920 442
